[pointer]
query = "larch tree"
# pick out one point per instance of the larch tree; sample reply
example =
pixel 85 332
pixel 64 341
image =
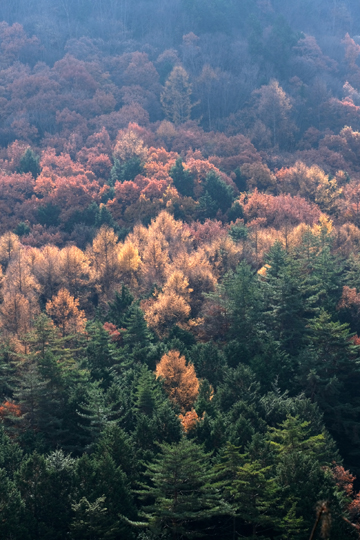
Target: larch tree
pixel 47 270
pixel 180 380
pixel 103 256
pixel 129 262
pixel 64 310
pixel 20 295
pixel 273 109
pixel 9 244
pixel 129 145
pixel 166 310
pixel 176 97
pixel 74 270
pixel 155 257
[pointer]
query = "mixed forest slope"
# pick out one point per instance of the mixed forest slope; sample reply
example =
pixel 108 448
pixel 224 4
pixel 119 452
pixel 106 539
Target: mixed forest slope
pixel 180 270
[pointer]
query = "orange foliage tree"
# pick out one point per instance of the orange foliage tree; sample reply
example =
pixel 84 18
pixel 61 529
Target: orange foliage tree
pixel 189 420
pixel 180 380
pixel 64 310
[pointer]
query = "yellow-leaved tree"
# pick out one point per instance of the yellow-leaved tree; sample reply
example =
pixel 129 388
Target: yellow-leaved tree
pixel 176 97
pixel 104 260
pixel 129 146
pixel 129 263
pixel 74 271
pixel 165 311
pixel 9 244
pixel 46 269
pixel 20 295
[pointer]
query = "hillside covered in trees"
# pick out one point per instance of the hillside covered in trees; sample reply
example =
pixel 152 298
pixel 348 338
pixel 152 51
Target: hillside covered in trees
pixel 179 269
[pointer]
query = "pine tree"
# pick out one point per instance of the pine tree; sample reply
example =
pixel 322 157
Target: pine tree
pixel 255 494
pixel 209 362
pixel 115 442
pixel 12 509
pixel 243 302
pixel 8 360
pixel 103 495
pixel 102 354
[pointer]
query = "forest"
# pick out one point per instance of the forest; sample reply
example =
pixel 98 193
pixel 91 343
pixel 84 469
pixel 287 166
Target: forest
pixel 179 269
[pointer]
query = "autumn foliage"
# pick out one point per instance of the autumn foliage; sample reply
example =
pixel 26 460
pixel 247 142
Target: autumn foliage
pixel 180 380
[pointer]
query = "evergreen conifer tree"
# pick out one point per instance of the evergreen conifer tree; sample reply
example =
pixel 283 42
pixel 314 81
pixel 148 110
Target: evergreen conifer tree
pixel 182 178
pixel 182 487
pixel 29 163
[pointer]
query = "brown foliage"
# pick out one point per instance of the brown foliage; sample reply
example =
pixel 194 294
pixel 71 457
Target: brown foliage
pixel 278 210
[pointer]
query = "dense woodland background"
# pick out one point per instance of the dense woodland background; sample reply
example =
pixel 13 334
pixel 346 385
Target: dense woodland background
pixel 180 270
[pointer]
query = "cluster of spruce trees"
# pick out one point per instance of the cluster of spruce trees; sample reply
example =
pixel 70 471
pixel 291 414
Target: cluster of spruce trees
pixel 91 447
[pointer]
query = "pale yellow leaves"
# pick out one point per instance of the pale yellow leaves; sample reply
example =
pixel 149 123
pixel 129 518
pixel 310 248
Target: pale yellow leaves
pixel 168 309
pixel 9 244
pixel 129 259
pixel 74 270
pixel 129 146
pixel 103 257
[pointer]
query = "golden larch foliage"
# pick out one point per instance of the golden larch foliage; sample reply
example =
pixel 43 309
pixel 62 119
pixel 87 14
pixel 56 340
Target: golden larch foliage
pixel 199 273
pixel 171 229
pixel 15 313
pixel 325 225
pixel 180 380
pixel 176 97
pixel 74 269
pixel 64 311
pixel 189 420
pixel 263 270
pixel 155 258
pixel 312 183
pixel 129 258
pixel 177 283
pixel 46 269
pixel 19 277
pixel 347 239
pixel 165 311
pixel 103 256
pixel 9 244
pixel 223 254
pixel 128 146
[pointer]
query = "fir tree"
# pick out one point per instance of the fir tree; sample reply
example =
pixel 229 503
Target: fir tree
pixel 182 178
pixel 182 486
pixel 119 307
pixel 29 163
